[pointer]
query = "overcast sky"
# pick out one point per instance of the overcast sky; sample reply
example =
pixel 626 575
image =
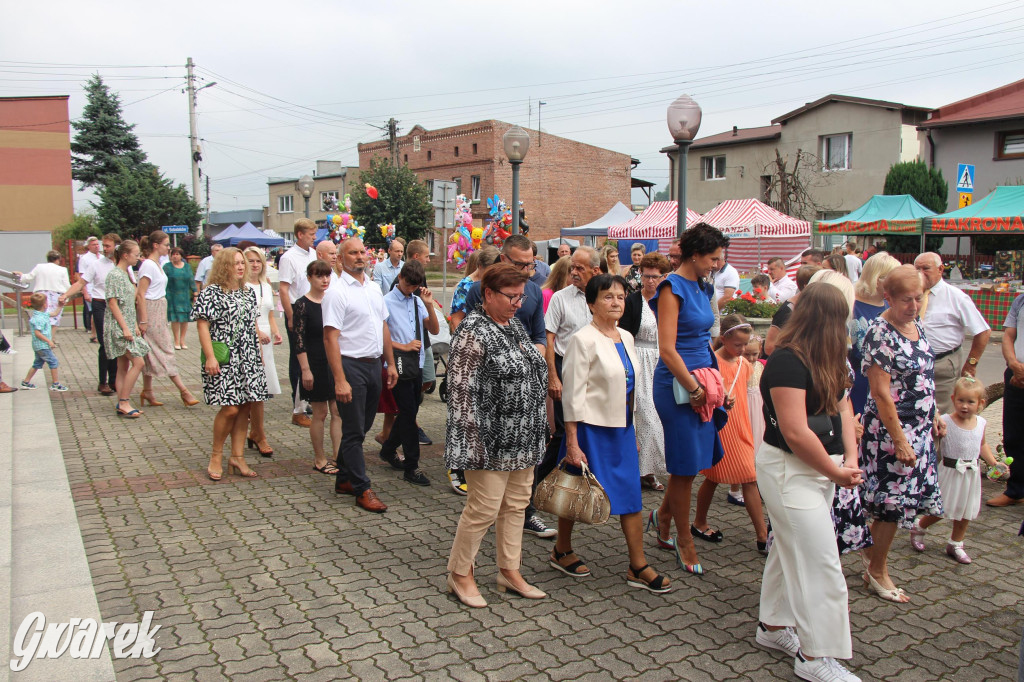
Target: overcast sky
pixel 308 79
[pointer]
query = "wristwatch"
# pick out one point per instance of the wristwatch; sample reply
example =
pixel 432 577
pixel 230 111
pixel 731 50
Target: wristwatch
pixel 972 361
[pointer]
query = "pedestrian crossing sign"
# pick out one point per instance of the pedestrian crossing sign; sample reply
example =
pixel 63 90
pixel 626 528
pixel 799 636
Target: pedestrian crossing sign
pixel 965 178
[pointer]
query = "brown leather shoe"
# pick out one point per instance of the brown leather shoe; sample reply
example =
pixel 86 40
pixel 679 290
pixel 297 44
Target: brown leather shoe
pixel 301 420
pixel 344 488
pixel 105 389
pixel 1003 500
pixel 370 502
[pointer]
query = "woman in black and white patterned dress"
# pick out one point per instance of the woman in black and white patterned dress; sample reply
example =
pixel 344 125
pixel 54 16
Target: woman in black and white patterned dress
pixel 226 311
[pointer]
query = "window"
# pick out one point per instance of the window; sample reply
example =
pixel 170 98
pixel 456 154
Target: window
pixel 1010 144
pixel 475 185
pixel 416 143
pixel 837 152
pixel 328 200
pixel 284 203
pixel 458 186
pixel 712 167
pixel 456 150
pixel 474 147
pixel 405 158
pixel 428 155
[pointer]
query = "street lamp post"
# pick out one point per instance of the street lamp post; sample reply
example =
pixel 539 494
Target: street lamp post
pixel 516 142
pixel 305 187
pixel 683 123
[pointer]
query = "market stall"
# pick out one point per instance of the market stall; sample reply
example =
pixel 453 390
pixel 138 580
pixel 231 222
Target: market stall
pixel 249 233
pixel 1000 212
pixel 882 214
pixel 758 232
pixel 655 228
pixel 589 233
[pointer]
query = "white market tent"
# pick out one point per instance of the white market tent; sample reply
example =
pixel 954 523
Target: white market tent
pixel 619 213
pixel 656 223
pixel 759 232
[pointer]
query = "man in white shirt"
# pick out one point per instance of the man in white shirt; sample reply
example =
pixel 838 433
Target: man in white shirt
pixel 727 281
pixel 356 338
pixel 782 287
pixel 327 251
pixel 294 286
pixel 91 255
pixel 854 265
pixel 387 270
pixel 203 269
pixel 945 313
pixel 95 276
pixel 51 280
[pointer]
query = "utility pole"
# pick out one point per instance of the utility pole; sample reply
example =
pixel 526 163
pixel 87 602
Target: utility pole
pixel 539 134
pixel 207 213
pixel 393 141
pixel 194 150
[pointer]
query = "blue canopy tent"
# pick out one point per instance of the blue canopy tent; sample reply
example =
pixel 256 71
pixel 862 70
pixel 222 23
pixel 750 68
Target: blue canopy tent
pixel 226 234
pixel 251 233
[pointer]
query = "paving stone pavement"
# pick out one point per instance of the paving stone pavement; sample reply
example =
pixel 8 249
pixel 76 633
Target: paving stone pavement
pixel 277 578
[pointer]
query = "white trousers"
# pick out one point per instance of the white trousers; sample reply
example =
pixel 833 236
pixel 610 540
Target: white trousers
pixel 803 584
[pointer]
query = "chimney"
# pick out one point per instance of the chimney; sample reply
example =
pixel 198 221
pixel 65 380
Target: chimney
pixel 735 131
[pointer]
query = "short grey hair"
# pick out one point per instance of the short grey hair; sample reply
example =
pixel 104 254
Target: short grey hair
pixel 595 258
pixel 637 246
pixel 935 258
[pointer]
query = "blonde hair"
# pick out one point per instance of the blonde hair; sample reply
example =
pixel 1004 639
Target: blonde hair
pixel 37 301
pixel 262 279
pixel 839 281
pixel 222 272
pixel 559 275
pixel 972 385
pixel 304 225
pixel 875 269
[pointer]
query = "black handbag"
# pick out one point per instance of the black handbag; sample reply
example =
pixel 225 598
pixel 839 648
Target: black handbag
pixel 820 424
pixel 407 362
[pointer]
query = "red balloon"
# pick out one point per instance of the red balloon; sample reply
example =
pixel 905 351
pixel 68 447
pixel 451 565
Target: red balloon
pixel 371 191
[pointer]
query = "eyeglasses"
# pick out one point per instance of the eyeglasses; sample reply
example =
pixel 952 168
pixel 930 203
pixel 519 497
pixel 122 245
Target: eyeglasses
pixel 517 264
pixel 652 277
pixel 513 298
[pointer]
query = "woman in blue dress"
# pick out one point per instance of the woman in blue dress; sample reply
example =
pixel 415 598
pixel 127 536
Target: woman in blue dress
pixel 597 398
pixel 685 317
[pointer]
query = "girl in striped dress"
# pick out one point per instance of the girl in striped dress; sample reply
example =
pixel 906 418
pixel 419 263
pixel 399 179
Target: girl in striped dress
pixel 737 466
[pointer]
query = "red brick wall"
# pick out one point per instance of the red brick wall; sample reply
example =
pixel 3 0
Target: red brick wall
pixel 561 182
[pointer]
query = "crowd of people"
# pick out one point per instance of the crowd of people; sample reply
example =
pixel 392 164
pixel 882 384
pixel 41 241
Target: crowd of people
pixel 857 415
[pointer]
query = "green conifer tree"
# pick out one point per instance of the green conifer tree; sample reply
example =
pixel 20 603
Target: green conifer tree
pixel 103 142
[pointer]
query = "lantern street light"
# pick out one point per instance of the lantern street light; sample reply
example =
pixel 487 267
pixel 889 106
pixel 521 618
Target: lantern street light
pixel 305 186
pixel 683 123
pixel 517 143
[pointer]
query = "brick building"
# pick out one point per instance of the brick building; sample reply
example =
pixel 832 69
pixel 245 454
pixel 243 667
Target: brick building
pixel 285 204
pixel 35 163
pixel 561 182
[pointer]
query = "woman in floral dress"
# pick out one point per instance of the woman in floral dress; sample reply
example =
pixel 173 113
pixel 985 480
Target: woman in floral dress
pixel 122 337
pixel 897 449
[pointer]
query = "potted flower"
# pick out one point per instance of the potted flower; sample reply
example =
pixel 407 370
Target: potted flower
pixel 756 306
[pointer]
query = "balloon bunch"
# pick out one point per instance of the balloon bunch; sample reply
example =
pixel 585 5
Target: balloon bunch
pixel 496 231
pixel 462 240
pixel 342 225
pixel 388 232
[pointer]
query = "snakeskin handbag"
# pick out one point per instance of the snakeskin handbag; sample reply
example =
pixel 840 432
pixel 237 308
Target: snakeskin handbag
pixel 578 497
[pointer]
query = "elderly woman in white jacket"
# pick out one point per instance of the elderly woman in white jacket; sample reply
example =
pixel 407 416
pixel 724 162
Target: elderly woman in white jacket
pixel 597 397
pixel 49 278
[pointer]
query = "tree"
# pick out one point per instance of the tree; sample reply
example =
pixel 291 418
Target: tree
pixel 135 202
pixel 82 226
pixel 661 195
pixel 928 187
pixel 790 188
pixel 103 140
pixel 401 200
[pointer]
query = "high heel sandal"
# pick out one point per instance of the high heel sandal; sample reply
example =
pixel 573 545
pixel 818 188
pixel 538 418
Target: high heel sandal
pixel 476 602
pixel 655 584
pixel 131 414
pixel 235 468
pixel 209 471
pixel 652 522
pixel 254 445
pixel 531 592
pixel 145 397
pixel 896 594
pixel 695 569
pixel 190 400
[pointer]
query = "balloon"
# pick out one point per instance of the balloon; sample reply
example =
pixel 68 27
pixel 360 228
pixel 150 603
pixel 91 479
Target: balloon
pixel 478 235
pixel 336 219
pixel 345 217
pixel 371 191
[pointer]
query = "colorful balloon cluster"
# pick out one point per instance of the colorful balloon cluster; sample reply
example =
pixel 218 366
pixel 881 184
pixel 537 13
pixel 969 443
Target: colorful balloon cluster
pixel 341 225
pixel 467 238
pixel 388 232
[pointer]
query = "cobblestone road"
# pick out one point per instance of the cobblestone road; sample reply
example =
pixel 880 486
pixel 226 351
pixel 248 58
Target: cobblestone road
pixel 278 579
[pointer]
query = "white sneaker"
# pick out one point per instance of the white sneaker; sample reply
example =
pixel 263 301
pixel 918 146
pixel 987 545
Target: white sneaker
pixel 822 669
pixel 781 640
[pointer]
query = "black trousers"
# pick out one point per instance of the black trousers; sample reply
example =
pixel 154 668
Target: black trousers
pixel 1013 435
pixel 106 368
pixel 356 419
pixel 294 370
pixel 87 315
pixel 550 459
pixel 404 432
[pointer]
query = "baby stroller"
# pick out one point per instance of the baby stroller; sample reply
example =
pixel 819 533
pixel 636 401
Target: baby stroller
pixel 440 343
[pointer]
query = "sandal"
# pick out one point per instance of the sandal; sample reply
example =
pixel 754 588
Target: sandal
pixel 706 535
pixel 327 468
pixel 917 535
pixel 131 414
pixel 655 584
pixel 651 482
pixel 568 563
pixel 896 594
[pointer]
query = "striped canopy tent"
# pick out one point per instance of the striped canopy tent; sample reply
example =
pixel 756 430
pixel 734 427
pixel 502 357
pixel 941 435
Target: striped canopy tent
pixel 758 232
pixel 656 224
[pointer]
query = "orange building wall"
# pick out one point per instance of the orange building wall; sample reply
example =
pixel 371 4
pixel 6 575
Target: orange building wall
pixel 35 163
